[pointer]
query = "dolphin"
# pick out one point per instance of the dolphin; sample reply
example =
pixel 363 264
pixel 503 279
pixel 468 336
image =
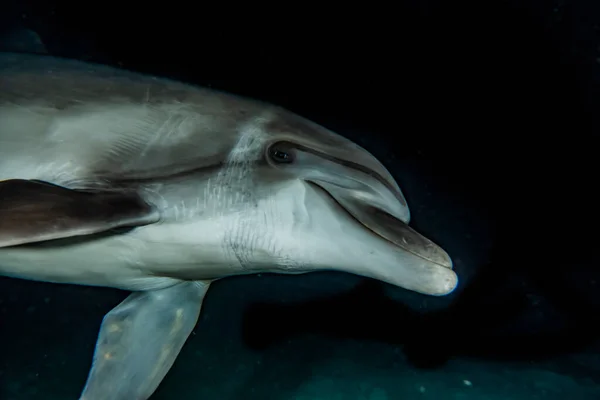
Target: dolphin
pixel 118 179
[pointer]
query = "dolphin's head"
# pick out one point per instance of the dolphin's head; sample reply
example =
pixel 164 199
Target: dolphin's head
pixel 338 208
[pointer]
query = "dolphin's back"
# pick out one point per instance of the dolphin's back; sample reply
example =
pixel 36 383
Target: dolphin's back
pixel 65 121
pixel 66 81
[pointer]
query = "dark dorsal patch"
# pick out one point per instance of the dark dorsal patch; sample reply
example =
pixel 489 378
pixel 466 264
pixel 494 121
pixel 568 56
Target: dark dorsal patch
pixel 33 211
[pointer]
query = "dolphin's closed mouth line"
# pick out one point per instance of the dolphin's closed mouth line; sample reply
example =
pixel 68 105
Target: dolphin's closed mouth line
pixel 377 234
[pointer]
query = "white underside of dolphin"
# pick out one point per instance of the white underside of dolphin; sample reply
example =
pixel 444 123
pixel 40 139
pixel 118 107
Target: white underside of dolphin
pixel 112 178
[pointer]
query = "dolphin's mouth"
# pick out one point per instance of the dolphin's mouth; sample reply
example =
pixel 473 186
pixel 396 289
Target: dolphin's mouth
pixel 387 227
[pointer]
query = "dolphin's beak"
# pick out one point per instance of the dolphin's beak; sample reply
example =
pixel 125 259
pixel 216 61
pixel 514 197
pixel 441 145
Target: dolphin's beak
pixel 363 187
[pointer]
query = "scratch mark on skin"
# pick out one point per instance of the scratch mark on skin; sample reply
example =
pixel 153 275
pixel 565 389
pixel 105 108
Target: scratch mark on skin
pixel 232 193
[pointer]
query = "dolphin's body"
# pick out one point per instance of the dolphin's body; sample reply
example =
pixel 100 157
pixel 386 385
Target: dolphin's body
pixel 112 178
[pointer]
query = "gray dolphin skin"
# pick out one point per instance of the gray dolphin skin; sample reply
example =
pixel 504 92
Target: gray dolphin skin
pixel 117 179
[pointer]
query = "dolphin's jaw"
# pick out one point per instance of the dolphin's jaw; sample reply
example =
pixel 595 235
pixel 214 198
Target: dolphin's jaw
pixel 326 237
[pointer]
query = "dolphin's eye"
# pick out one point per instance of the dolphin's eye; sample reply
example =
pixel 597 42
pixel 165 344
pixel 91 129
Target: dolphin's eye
pixel 281 155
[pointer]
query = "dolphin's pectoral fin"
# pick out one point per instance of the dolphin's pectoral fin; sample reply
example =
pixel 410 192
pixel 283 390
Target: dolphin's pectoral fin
pixel 34 211
pixel 140 339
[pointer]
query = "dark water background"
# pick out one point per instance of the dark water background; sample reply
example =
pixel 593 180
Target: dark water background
pixel 487 115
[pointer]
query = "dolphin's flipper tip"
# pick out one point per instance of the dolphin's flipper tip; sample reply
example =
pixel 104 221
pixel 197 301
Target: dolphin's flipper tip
pixel 140 339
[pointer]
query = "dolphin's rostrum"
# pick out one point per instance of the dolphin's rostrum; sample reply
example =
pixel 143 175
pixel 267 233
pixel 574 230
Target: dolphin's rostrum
pixel 112 178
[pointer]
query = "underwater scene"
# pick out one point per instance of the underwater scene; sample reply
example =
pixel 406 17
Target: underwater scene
pixel 226 205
